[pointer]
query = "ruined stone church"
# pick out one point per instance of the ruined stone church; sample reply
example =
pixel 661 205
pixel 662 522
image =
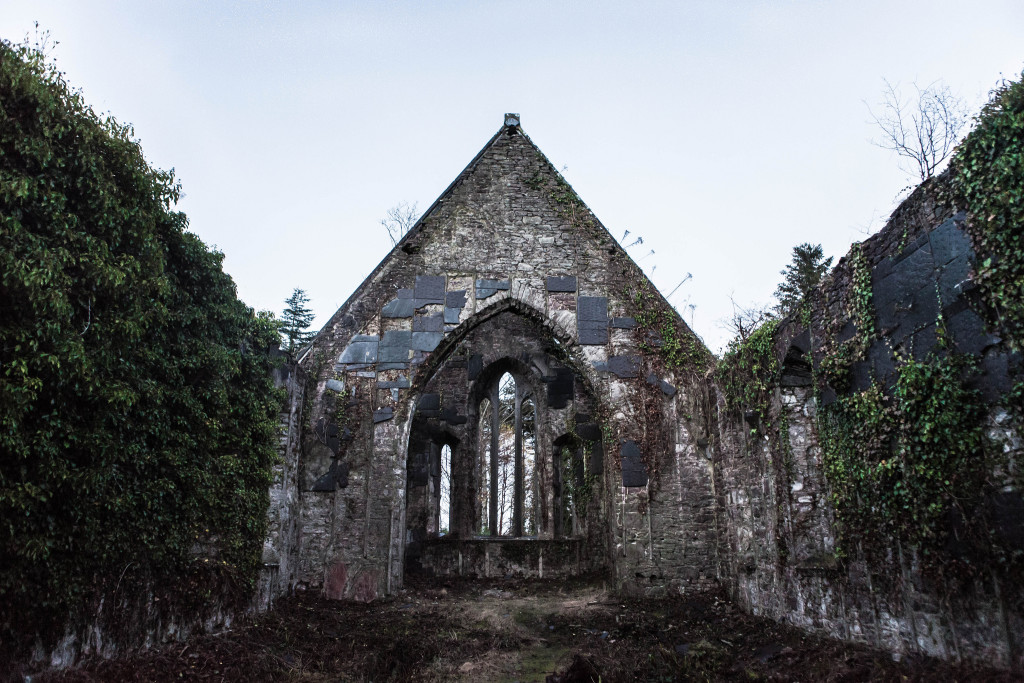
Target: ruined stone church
pixel 491 400
pixel 507 394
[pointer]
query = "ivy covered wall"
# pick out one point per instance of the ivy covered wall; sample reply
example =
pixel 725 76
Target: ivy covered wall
pixel 868 463
pixel 138 417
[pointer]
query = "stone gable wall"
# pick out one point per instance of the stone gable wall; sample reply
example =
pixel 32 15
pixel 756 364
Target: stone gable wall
pixel 507 240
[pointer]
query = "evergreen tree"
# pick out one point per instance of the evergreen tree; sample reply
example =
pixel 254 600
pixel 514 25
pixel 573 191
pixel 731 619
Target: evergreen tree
pixel 801 276
pixel 295 321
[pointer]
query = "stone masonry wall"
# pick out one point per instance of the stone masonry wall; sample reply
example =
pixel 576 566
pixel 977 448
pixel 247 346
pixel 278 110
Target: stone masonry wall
pixel 508 237
pixel 777 547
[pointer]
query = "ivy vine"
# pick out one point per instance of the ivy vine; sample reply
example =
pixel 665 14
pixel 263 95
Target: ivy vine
pixel 988 181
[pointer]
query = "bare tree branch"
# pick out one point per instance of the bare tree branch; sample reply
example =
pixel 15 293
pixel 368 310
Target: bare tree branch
pixel 922 128
pixel 399 220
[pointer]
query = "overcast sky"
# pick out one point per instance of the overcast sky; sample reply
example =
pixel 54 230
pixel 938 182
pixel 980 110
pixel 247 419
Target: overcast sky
pixel 722 133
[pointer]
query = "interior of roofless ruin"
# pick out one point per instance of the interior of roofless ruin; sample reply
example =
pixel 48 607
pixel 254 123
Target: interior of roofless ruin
pixel 507 395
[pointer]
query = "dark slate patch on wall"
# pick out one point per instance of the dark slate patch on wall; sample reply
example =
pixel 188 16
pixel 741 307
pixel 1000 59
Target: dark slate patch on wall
pixel 361 350
pixel 399 308
pixel 626 367
pixel 335 478
pixel 426 341
pixel 400 383
pixel 456 299
pixel 429 405
pixel 624 323
pixel 429 290
pixel 486 288
pixel 560 388
pixel 383 414
pixel 634 469
pixel 428 323
pixel 592 320
pixel 903 291
pixel 561 283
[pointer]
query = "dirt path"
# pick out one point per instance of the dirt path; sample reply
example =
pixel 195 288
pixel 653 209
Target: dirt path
pixel 515 631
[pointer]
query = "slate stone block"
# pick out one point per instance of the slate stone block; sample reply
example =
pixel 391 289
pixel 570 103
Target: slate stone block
pixel 396 339
pixel 426 341
pixel 922 342
pixel 336 385
pixel 474 366
pixel 952 278
pixel 592 308
pixel 383 414
pixel 429 288
pixel 967 330
pixel 406 294
pixel 626 367
pixel 561 389
pixel 456 299
pixel 429 405
pixel 336 477
pixel 360 352
pixel 400 383
pixel 882 362
pixel 556 283
pixel 395 350
pixel 428 323
pixel 486 288
pixel 897 293
pixel 949 242
pixel 624 323
pixel 389 366
pixel 451 316
pixel 592 333
pixel 634 469
pixel 399 308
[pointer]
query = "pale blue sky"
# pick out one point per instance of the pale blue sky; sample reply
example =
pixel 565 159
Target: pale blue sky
pixel 723 133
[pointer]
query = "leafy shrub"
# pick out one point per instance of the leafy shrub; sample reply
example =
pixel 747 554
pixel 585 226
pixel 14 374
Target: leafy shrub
pixel 137 410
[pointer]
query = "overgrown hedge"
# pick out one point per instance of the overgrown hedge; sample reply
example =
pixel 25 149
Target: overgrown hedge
pixel 137 410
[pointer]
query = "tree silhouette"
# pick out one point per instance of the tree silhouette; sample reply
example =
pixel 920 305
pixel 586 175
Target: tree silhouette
pixel 802 275
pixel 295 321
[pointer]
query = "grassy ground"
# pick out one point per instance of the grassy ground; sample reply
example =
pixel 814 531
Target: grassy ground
pixel 454 630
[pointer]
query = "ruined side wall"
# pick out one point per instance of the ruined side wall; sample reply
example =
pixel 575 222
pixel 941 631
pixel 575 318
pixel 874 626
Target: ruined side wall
pixel 509 229
pixel 780 548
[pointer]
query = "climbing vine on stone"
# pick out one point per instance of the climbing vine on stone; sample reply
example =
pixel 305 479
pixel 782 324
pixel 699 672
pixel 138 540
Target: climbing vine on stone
pixel 748 370
pixel 910 466
pixel 988 181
